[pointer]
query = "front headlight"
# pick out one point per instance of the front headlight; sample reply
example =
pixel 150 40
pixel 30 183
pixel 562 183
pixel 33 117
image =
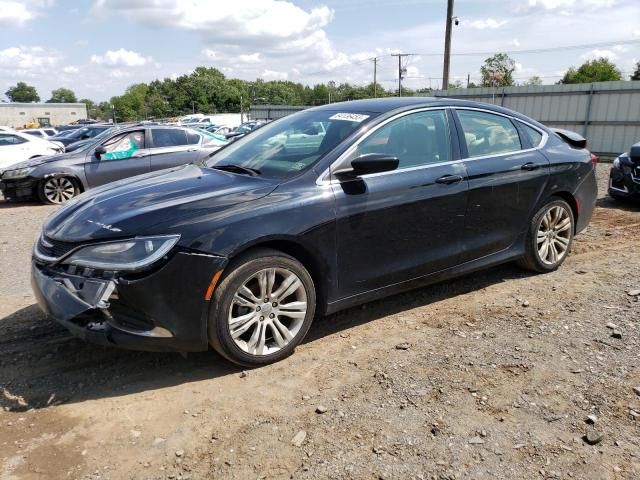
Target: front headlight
pixel 125 255
pixel 19 173
pixel 616 163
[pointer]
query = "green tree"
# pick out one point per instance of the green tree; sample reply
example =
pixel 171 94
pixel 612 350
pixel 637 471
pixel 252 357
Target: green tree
pixel 62 95
pixel 497 71
pixel 535 80
pixel 22 93
pixel 598 70
pixel 636 74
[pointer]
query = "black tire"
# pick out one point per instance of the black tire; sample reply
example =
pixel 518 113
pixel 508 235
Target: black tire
pixel 532 259
pixel 236 274
pixel 44 191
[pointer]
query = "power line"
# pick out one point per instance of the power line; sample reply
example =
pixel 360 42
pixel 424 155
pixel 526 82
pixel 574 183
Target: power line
pixel 539 50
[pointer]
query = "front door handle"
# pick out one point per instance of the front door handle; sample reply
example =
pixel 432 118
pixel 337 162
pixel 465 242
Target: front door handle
pixel 449 179
pixel 530 166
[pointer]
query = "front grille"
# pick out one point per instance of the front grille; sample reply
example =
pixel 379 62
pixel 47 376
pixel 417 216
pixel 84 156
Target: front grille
pixel 54 248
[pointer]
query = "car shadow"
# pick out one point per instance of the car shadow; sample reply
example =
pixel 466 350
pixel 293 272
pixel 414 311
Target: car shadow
pixel 41 364
pixel 19 203
pixel 624 205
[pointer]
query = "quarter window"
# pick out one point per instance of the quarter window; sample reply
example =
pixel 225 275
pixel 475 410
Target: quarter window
pixel 535 137
pixel 123 146
pixel 415 139
pixel 169 137
pixel 488 134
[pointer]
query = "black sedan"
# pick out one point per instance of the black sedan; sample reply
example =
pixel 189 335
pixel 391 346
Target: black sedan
pixel 624 178
pixel 294 221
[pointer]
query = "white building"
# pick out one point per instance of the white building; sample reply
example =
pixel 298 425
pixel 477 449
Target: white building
pixel 18 115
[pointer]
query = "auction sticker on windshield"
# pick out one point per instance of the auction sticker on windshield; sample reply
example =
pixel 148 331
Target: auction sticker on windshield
pixel 349 117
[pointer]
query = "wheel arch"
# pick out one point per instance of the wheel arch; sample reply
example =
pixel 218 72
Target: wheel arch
pixel 305 255
pixel 571 200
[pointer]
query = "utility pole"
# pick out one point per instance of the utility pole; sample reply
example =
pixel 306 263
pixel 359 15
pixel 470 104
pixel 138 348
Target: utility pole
pixel 193 107
pixel 468 79
pixel 241 111
pixel 375 80
pixel 401 71
pixel 447 45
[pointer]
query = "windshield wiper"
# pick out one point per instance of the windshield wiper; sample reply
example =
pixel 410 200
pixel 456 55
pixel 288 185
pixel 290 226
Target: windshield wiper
pixel 237 169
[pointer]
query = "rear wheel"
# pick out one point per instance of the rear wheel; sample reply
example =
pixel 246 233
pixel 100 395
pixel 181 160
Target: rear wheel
pixel 262 309
pixel 57 190
pixel 550 237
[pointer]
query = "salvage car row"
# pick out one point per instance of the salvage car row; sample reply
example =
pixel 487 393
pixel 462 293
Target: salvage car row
pixel 37 168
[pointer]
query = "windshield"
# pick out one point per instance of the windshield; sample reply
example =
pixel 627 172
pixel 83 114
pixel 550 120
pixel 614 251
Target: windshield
pixel 288 146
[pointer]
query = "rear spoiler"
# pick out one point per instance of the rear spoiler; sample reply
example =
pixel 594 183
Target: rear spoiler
pixel 572 138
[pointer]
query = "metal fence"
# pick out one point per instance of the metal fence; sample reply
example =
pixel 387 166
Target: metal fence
pixel 272 112
pixel 607 114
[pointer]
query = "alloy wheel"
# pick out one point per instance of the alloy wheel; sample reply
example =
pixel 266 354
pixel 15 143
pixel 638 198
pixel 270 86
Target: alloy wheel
pixel 554 235
pixel 59 190
pixel 267 311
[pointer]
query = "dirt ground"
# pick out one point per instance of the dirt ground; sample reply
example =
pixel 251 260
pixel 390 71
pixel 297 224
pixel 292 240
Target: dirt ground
pixel 488 376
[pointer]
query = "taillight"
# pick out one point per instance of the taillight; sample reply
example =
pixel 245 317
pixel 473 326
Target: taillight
pixel 594 159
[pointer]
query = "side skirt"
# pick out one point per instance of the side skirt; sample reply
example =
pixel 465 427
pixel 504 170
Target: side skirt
pixel 512 253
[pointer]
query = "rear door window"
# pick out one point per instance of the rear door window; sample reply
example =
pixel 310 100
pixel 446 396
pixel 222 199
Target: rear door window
pixel 487 134
pixel 168 137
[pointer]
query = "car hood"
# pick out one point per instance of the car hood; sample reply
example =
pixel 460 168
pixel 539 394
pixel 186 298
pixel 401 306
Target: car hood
pixel 36 162
pixel 135 205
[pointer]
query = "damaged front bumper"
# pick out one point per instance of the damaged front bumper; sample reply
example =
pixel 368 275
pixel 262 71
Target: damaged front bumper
pixel 23 188
pixel 162 310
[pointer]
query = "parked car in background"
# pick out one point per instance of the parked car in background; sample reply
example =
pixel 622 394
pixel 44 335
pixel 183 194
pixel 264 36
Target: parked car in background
pixel 82 133
pixel 81 143
pixel 41 132
pixel 242 252
pixel 65 128
pixel 219 130
pixel 16 147
pixel 6 129
pixel 123 153
pixel 624 177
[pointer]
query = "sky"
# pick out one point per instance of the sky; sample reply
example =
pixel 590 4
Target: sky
pixel 99 47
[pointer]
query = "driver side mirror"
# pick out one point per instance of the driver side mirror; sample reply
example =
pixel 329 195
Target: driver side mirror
pixel 367 164
pixel 99 151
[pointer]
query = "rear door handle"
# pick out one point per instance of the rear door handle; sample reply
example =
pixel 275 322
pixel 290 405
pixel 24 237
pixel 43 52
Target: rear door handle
pixel 530 166
pixel 449 179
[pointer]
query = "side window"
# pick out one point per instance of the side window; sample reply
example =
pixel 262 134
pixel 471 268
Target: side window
pixel 535 137
pixel 123 146
pixel 168 137
pixel 488 134
pixel 11 139
pixel 416 139
pixel 193 138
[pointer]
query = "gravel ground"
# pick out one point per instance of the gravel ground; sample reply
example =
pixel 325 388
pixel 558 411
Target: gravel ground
pixel 501 374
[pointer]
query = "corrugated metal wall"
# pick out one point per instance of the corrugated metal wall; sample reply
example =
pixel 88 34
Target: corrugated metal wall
pixel 272 112
pixel 606 113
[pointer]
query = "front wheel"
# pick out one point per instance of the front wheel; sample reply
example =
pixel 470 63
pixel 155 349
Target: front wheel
pixel 549 237
pixel 262 309
pixel 57 190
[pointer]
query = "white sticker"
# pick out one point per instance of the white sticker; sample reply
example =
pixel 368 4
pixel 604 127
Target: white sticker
pixel 349 117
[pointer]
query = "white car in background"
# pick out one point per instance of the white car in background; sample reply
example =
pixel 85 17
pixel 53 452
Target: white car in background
pixel 16 147
pixel 41 132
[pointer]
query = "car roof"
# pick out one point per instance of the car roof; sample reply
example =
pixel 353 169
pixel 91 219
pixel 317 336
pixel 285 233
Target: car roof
pixel 388 104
